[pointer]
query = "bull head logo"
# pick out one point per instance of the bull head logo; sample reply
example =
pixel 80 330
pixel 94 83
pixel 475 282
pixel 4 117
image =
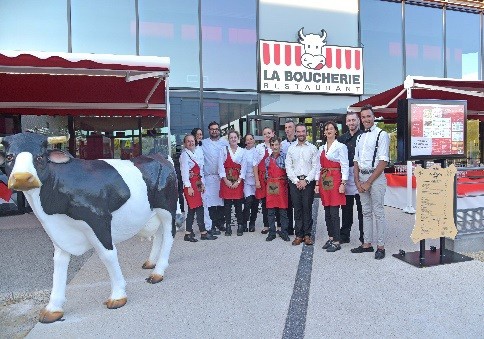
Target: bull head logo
pixel 313 44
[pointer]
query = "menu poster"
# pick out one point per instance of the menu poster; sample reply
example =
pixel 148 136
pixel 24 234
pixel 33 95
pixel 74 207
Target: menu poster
pixel 435 203
pixel 436 129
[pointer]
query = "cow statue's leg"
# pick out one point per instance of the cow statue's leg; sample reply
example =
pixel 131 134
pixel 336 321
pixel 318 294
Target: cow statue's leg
pixel 118 296
pixel 162 244
pixel 53 311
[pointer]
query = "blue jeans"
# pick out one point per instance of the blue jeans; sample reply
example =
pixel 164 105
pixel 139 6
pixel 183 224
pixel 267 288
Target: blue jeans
pixel 271 216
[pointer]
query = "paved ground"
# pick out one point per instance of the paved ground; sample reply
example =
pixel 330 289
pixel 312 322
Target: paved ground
pixel 244 287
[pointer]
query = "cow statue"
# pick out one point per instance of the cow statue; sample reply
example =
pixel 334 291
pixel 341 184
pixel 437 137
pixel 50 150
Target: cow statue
pixel 84 204
pixel 313 57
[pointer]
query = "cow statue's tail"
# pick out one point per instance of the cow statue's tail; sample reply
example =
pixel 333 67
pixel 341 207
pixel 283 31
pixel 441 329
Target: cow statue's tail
pixel 180 217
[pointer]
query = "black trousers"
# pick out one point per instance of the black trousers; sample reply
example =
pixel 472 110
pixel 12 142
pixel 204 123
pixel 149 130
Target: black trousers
pixel 302 200
pixel 251 208
pixel 271 215
pixel 200 219
pixel 347 217
pixel 265 220
pixel 237 203
pixel 331 216
pixel 290 214
pixel 217 214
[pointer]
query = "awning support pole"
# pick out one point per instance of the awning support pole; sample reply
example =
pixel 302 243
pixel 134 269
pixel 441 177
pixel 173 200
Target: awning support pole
pixel 154 89
pixel 168 120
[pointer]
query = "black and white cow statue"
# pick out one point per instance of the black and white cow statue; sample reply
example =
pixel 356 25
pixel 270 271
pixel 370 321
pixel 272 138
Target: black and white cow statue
pixel 84 204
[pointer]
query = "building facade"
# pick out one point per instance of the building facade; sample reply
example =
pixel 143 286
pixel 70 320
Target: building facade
pixel 215 53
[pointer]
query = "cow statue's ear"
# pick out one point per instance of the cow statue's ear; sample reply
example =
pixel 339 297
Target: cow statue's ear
pixel 58 157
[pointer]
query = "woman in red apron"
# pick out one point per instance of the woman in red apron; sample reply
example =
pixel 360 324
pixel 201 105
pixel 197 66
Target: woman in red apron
pixel 193 187
pixel 333 174
pixel 232 168
pixel 262 152
pixel 276 190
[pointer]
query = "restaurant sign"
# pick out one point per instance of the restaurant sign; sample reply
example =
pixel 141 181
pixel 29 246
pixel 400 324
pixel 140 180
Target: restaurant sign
pixel 310 66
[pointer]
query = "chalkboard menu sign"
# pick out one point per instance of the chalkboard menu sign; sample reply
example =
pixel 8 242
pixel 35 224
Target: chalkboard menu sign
pixel 431 129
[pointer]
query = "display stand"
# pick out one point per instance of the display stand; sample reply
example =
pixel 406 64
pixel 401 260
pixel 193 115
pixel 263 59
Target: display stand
pixel 432 257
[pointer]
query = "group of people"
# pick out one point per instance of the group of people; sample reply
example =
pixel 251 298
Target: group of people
pixel 283 177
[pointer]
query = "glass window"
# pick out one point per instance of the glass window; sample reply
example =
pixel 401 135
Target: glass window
pixel 229 44
pixel 103 26
pixel 424 41
pixel 462 33
pixel 170 28
pixel 33 25
pixel 381 36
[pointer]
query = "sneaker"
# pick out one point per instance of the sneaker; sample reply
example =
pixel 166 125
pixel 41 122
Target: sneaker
pixel 285 237
pixel 188 237
pixel 333 247
pixel 214 231
pixel 327 244
pixel 270 237
pixel 380 253
pixel 361 249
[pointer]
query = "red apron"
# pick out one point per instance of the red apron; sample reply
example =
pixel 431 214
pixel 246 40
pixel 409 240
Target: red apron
pixel 330 182
pixel 196 183
pixel 260 193
pixel 232 172
pixel 277 190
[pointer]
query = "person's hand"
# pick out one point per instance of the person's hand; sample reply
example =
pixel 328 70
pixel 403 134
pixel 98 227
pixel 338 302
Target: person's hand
pixel 365 186
pixel 191 192
pixel 202 190
pixel 358 187
pixel 235 184
pixel 341 188
pixel 316 189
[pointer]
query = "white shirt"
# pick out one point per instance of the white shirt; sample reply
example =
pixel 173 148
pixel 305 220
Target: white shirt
pixel 260 152
pixel 302 160
pixel 237 157
pixel 338 152
pixel 199 154
pixel 211 152
pixel 365 148
pixel 249 162
pixel 286 143
pixel 187 162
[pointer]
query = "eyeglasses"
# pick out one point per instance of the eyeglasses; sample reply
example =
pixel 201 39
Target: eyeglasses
pixel 214 129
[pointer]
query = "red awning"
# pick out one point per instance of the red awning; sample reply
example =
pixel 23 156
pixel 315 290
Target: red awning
pixel 385 103
pixel 39 83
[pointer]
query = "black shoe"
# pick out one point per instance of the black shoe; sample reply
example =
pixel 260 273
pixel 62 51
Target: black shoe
pixel 246 229
pixel 327 244
pixel 207 236
pixel 265 231
pixel 251 227
pixel 285 237
pixel 380 253
pixel 221 228
pixel 290 232
pixel 333 247
pixel 192 234
pixel 214 231
pixel 270 237
pixel 188 237
pixel 361 249
pixel 228 232
pixel 240 230
pixel 344 241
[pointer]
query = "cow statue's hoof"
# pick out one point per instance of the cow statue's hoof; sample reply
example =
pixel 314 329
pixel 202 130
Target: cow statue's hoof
pixel 148 265
pixel 154 278
pixel 116 303
pixel 47 317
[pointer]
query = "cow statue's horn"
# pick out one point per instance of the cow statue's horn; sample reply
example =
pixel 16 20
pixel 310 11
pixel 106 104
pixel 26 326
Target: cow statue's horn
pixel 300 33
pixel 57 140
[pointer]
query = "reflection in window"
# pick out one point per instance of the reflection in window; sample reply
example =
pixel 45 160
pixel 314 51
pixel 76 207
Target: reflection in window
pixel 170 28
pixel 381 35
pixel 33 25
pixel 107 26
pixel 424 41
pixel 462 31
pixel 229 44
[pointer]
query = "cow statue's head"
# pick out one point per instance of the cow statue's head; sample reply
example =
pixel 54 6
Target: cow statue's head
pixel 26 157
pixel 313 43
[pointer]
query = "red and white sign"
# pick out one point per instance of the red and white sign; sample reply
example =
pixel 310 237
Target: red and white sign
pixel 310 66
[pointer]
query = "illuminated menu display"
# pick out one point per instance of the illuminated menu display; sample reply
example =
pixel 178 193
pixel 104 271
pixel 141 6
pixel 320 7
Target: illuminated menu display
pixel 437 129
